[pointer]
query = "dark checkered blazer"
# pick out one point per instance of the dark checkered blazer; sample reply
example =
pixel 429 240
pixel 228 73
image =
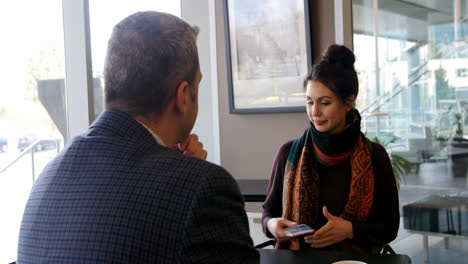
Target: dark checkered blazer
pixel 116 196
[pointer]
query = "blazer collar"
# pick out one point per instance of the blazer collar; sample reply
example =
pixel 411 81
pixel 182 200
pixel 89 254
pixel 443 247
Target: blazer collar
pixel 119 123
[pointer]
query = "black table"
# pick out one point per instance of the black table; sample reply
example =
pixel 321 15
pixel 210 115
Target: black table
pixel 326 257
pixel 445 214
pixel 253 190
pixel 436 215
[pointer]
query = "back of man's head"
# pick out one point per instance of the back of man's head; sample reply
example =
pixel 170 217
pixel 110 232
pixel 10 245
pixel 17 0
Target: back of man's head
pixel 148 55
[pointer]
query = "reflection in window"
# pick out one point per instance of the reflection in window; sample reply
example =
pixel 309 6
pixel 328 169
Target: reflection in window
pixel 462 72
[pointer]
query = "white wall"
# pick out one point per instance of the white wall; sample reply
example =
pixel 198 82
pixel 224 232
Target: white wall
pixel 202 14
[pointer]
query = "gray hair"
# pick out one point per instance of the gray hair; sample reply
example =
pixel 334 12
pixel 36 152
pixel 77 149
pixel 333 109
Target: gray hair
pixel 148 55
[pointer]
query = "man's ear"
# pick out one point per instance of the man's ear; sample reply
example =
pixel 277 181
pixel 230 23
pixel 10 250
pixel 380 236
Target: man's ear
pixel 181 96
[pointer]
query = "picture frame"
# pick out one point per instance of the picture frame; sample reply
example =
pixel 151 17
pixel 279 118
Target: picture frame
pixel 268 55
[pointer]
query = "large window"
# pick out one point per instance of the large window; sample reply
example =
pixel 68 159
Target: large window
pixel 32 105
pixel 412 59
pixel 33 91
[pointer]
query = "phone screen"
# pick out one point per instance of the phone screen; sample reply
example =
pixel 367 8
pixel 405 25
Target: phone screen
pixel 299 230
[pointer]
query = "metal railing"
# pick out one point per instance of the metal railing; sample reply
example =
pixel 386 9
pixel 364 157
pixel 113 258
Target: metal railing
pixel 30 149
pixel 414 76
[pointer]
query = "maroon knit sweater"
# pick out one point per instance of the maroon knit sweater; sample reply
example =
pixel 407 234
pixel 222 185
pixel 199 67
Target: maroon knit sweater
pixel 334 184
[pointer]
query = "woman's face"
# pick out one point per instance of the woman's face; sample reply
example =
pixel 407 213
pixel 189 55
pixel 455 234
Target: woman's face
pixel 325 110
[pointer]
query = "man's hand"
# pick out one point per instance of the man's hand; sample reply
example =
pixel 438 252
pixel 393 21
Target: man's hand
pixel 337 229
pixel 277 227
pixel 192 147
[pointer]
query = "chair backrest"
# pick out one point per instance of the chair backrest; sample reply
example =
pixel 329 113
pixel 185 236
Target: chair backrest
pixel 387 249
pixel 267 243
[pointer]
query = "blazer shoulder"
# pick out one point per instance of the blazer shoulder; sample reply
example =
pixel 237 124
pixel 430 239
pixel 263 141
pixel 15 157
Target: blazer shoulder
pixel 209 169
pixel 214 176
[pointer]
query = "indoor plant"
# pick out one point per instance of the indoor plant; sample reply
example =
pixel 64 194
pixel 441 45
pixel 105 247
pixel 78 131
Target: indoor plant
pixel 400 165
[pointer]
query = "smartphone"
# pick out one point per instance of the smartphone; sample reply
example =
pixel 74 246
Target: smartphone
pixel 299 230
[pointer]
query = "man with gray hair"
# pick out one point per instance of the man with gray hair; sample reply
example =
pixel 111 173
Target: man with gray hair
pixel 135 188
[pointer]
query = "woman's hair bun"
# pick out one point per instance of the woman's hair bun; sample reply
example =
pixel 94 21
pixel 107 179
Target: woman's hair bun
pixel 340 55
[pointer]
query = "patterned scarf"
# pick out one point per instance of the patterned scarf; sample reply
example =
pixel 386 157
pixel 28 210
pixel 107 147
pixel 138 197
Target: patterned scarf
pixel 301 183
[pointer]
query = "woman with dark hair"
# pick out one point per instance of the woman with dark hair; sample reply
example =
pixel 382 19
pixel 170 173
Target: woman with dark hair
pixel 332 178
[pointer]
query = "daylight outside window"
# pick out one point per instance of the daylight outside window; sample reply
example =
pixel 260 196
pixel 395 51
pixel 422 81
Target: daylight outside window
pixel 32 105
pixel 412 57
pixel 33 115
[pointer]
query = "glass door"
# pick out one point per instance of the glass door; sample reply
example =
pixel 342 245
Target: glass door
pixel 412 60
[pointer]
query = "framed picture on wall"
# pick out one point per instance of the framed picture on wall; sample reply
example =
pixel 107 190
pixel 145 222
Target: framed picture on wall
pixel 268 54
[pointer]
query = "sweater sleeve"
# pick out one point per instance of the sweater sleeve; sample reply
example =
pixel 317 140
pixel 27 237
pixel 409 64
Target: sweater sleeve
pixel 384 219
pixel 273 205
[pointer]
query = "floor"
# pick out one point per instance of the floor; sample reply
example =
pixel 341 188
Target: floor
pixel 433 178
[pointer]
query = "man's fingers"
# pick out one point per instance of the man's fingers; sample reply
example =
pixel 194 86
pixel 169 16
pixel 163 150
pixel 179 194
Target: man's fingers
pixel 204 154
pixel 188 141
pixel 186 144
pixel 183 145
pixel 193 148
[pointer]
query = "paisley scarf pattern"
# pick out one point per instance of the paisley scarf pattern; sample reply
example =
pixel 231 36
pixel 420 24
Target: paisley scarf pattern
pixel 301 184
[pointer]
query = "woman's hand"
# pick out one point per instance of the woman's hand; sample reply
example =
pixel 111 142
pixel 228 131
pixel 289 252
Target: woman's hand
pixel 337 229
pixel 277 227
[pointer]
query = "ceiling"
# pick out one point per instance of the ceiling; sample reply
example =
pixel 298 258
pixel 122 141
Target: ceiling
pixel 395 16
